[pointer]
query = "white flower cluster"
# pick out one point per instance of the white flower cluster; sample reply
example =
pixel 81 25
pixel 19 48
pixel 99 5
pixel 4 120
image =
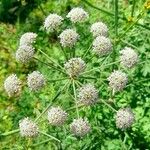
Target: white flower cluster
pixel 74 67
pixel 35 81
pixel 52 22
pixel 128 57
pixel 56 116
pixel 78 15
pixel 24 53
pixel 26 50
pixel 99 29
pixel 124 118
pixel 80 127
pixel 12 85
pixel 117 80
pixel 102 46
pixel 88 94
pixel 68 38
pixel 28 38
pixel 28 128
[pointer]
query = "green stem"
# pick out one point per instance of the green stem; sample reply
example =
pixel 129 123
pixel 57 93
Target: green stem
pixel 116 18
pixel 111 14
pixel 49 58
pixel 116 32
pixel 40 143
pixel 10 132
pixel 87 77
pixel 103 101
pixel 75 97
pixel 54 80
pixel 50 136
pixel 64 52
pixel 49 65
pixel 87 51
pixel 133 7
pixel 56 96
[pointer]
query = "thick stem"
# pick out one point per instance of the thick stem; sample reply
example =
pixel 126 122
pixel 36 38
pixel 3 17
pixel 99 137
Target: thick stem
pixel 133 8
pixel 111 14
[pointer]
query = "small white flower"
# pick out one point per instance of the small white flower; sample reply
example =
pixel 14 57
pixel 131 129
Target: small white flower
pixel 80 127
pixel 28 38
pixel 117 80
pixel 78 15
pixel 99 29
pixel 128 57
pixel 102 45
pixel 74 67
pixel 28 128
pixel 124 118
pixel 68 38
pixel 12 85
pixel 24 53
pixel 56 116
pixel 52 22
pixel 88 94
pixel 35 81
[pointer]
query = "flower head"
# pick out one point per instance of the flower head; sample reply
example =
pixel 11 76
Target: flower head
pixel 74 67
pixel 28 128
pixel 24 53
pixel 52 22
pixel 12 85
pixel 128 57
pixel 124 118
pixel 102 45
pixel 80 127
pixel 78 15
pixel 99 29
pixel 28 38
pixel 88 94
pixel 56 116
pixel 68 38
pixel 117 80
pixel 35 81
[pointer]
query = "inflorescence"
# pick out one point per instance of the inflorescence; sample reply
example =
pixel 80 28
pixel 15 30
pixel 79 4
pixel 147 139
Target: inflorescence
pixel 74 67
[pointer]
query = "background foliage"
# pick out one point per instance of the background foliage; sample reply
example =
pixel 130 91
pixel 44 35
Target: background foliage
pixel 29 16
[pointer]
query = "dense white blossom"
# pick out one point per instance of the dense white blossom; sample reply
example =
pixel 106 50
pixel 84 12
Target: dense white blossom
pixel 80 127
pixel 117 80
pixel 35 81
pixel 56 116
pixel 28 38
pixel 68 38
pixel 24 53
pixel 88 94
pixel 99 29
pixel 124 118
pixel 128 57
pixel 75 66
pixel 12 85
pixel 102 45
pixel 52 22
pixel 28 128
pixel 78 15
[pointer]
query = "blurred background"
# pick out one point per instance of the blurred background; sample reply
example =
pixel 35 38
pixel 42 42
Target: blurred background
pixel 20 16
